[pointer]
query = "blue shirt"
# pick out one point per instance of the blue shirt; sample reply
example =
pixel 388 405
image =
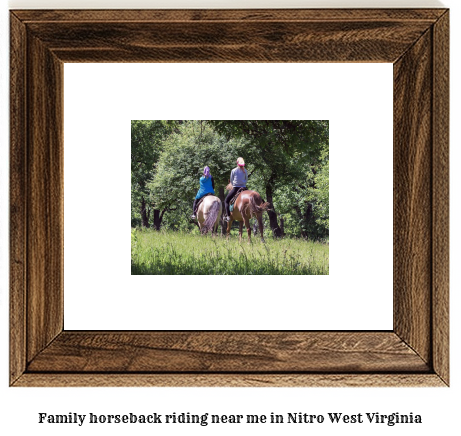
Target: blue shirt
pixel 206 187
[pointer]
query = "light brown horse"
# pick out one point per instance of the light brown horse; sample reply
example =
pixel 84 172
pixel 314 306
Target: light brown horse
pixel 208 214
pixel 248 204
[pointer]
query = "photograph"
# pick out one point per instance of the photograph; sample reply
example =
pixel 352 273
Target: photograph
pixel 230 197
pixel 235 111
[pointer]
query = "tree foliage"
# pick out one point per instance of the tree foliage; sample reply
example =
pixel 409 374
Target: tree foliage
pixel 284 152
pixel 147 138
pixel 287 162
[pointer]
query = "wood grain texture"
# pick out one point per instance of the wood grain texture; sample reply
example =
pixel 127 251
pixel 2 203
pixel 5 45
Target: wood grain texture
pixel 325 41
pixel 413 196
pixel 224 351
pixel 204 15
pixel 414 354
pixel 18 211
pixel 229 380
pixel 45 249
pixel 440 210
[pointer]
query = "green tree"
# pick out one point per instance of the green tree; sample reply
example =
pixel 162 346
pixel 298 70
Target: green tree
pixel 287 162
pixel 185 153
pixel 147 138
pixel 323 196
pixel 278 151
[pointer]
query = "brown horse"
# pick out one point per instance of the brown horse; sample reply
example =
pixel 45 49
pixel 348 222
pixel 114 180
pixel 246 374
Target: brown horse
pixel 248 204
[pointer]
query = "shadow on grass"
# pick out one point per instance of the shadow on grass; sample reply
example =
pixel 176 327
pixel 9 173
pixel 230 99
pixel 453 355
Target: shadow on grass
pixel 167 268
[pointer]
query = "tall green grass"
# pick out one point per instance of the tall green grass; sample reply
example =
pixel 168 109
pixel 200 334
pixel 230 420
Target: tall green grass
pixel 180 253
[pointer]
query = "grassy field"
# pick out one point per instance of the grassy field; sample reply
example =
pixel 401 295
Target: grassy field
pixel 154 252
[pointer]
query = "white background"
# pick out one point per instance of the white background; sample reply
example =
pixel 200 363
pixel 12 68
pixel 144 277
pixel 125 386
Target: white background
pixel 101 99
pixel 438 407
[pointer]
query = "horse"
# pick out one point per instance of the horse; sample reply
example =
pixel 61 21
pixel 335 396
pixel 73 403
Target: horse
pixel 209 214
pixel 248 204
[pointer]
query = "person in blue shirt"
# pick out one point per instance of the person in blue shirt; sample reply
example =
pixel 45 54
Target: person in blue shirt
pixel 238 179
pixel 206 187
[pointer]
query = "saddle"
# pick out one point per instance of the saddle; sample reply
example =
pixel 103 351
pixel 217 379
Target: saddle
pixel 199 201
pixel 234 198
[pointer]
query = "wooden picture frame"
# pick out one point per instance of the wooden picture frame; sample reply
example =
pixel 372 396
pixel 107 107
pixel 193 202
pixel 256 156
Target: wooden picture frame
pixel 414 353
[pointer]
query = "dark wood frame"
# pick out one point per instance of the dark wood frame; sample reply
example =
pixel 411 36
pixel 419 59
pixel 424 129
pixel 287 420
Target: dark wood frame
pixel 414 353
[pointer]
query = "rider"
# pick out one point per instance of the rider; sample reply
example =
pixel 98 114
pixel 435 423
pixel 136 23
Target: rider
pixel 238 179
pixel 206 187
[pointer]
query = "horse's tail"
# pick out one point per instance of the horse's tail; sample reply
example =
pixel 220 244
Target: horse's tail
pixel 212 217
pixel 256 209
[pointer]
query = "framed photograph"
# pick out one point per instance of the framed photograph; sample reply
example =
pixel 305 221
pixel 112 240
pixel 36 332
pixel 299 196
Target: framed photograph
pixel 414 353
